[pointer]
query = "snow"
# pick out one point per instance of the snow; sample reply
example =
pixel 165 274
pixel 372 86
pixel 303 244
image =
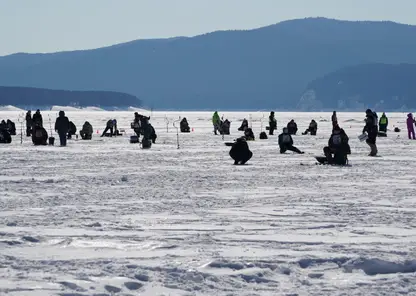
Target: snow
pixel 104 217
pixel 9 108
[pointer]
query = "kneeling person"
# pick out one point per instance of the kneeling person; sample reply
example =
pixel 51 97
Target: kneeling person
pixel 87 131
pixel 286 142
pixel 240 151
pixel 338 146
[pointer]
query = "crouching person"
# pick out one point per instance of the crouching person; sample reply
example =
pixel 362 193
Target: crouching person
pixel 184 126
pixel 338 147
pixel 39 135
pixel 286 142
pixel 240 151
pixel 86 131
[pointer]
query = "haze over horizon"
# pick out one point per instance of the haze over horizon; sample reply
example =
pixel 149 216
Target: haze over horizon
pixel 49 26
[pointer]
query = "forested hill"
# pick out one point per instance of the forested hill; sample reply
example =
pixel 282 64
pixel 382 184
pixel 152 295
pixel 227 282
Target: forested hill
pixel 264 68
pixel 28 96
pixel 378 86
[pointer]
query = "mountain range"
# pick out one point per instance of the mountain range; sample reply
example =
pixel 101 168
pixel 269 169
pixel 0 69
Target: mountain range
pixel 267 68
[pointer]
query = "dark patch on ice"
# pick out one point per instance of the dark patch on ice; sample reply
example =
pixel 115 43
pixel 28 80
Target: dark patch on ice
pixel 133 285
pixel 71 294
pixel 142 277
pixel 131 266
pixel 305 263
pixel 225 264
pixel 258 279
pixel 72 286
pixel 3 233
pixel 11 224
pixel 379 266
pixel 168 247
pixel 96 224
pixel 11 243
pixel 112 289
pixel 30 239
pixel 315 275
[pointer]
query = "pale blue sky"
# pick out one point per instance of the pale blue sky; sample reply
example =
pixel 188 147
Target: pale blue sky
pixel 56 25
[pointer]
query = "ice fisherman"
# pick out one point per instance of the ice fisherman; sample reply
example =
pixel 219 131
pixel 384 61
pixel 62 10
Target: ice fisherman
pixel 244 125
pixel 286 142
pixel 249 135
pixel 338 147
pixel 313 128
pixel 240 152
pixel 184 126
pixel 216 121
pixel 292 127
pixel 39 135
pixel 272 123
pixel 410 126
pixel 86 131
pixel 383 123
pixel 371 127
pixel 37 119
pixel 29 123
pixel 109 127
pixel 62 127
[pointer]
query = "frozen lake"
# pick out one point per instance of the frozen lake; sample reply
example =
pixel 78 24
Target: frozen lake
pixel 104 217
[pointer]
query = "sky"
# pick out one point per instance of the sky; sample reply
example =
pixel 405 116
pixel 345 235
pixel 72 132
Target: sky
pixel 58 25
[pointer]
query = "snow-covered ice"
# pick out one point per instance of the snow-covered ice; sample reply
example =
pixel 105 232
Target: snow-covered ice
pixel 104 217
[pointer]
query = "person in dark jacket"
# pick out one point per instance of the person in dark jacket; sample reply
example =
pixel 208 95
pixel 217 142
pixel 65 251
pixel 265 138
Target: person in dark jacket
pixel 29 123
pixel 240 151
pixel 72 130
pixel 184 126
pixel 337 146
pixel 86 131
pixel 383 123
pixel 249 135
pixel 244 125
pixel 272 123
pixel 313 128
pixel 5 137
pixel 11 127
pixel 39 135
pixel 225 127
pixel 334 119
pixel 286 142
pixel 62 127
pixel 292 127
pixel 37 119
pixel 3 125
pixel 153 135
pixel 109 127
pixel 371 128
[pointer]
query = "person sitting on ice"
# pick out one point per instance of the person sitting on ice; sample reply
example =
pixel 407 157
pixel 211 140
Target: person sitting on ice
pixel 244 125
pixel 313 127
pixel 109 127
pixel 248 134
pixel 72 130
pixel 225 127
pixel 11 127
pixel 86 131
pixel 240 151
pixel 39 135
pixel 292 127
pixel 337 146
pixel 184 126
pixel 5 137
pixel 286 142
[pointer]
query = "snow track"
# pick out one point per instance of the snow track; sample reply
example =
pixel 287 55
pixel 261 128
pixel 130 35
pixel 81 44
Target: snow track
pixel 104 217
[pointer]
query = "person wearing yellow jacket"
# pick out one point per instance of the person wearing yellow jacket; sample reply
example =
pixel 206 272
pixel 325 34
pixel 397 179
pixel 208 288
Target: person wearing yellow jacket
pixel 216 121
pixel 383 123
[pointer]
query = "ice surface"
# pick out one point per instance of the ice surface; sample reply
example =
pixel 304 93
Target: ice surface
pixel 104 217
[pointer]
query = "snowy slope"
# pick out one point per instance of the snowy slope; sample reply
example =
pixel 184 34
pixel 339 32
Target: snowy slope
pixel 104 217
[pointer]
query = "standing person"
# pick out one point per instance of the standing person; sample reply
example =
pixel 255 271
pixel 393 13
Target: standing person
pixel 29 123
pixel 216 121
pixel 410 127
pixel 371 127
pixel 383 123
pixel 272 123
pixel 37 119
pixel 62 127
pixel 109 127
pixel 334 119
